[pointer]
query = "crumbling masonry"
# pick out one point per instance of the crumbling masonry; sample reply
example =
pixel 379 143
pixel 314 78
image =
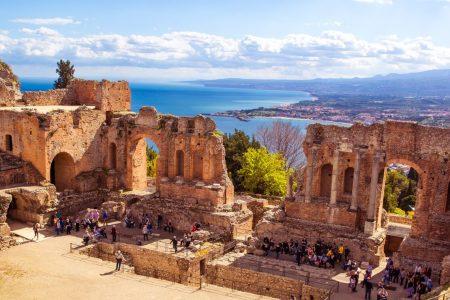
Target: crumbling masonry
pixel 342 198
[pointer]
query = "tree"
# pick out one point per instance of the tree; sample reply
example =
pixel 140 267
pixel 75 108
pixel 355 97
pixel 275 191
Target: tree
pixel 399 191
pixel 66 73
pixel 264 172
pixel 286 139
pixel 152 157
pixel 236 145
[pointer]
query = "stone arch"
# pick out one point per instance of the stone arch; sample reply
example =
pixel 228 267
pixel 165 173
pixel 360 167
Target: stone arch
pixel 112 154
pixel 325 180
pixel 8 142
pixel 179 163
pixel 348 180
pixel 421 204
pixel 197 161
pixel 62 171
pixel 137 163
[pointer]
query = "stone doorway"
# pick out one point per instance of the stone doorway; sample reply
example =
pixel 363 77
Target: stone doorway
pixel 145 165
pixel 62 171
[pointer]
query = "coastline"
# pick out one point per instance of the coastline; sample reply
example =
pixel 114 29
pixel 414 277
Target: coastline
pixel 321 121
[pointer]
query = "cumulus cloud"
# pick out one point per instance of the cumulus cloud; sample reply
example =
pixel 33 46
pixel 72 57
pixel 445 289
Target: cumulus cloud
pixel 329 54
pixel 40 31
pixel 46 21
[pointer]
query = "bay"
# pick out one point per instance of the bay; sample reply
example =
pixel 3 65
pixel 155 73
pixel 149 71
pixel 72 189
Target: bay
pixel 189 100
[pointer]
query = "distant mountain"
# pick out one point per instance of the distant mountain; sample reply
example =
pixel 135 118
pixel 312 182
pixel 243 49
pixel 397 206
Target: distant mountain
pixel 435 83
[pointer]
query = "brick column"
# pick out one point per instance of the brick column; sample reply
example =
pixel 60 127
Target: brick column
pixel 334 177
pixel 355 186
pixel 373 187
pixel 309 173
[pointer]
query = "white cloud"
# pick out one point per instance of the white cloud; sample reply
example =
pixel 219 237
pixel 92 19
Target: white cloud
pixel 46 21
pixel 376 1
pixel 200 55
pixel 40 31
pixel 324 24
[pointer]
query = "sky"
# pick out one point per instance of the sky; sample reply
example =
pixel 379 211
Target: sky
pixel 208 39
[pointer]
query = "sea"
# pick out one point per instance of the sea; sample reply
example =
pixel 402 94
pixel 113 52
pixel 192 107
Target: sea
pixel 184 99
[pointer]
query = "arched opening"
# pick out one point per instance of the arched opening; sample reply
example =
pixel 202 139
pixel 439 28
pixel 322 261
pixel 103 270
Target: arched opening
pixel 8 142
pixel 198 165
pixel 399 197
pixel 112 156
pixel 348 180
pixel 447 206
pixel 144 165
pixel 180 163
pixel 325 180
pixel 62 171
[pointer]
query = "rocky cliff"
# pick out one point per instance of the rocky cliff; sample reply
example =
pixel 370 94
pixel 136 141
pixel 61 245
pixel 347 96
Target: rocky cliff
pixel 9 86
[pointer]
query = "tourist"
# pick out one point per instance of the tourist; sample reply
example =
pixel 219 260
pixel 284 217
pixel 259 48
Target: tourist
pixel 105 217
pixel 145 232
pixel 119 259
pixel 382 294
pixel 346 253
pixel 278 249
pixel 188 241
pixel 114 233
pixel 77 224
pixel 369 286
pixel 175 244
pixel 86 237
pixel 36 231
pixel 183 240
pixel 149 228
pixel 58 227
pixel 103 233
pixel 352 283
pixel 68 226
pixel 341 253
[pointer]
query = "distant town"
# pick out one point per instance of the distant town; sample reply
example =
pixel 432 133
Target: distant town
pixel 427 110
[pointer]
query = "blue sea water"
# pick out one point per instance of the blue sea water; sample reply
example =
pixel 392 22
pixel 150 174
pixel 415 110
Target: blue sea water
pixel 188 100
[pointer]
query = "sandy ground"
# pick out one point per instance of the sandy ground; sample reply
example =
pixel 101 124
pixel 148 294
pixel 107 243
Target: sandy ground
pixel 46 270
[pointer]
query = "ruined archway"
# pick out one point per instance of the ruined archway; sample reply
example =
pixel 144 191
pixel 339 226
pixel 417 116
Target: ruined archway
pixel 348 180
pixel 144 164
pixel 62 171
pixel 400 193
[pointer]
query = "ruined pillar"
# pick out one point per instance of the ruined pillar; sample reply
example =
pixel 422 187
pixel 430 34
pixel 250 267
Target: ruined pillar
pixel 309 173
pixel 334 177
pixel 355 185
pixel 370 222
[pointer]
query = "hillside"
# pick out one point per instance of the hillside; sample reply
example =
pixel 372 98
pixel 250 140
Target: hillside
pixel 435 83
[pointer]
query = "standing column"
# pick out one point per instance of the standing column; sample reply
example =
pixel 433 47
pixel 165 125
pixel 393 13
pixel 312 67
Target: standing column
pixel 334 177
pixel 309 173
pixel 373 187
pixel 355 186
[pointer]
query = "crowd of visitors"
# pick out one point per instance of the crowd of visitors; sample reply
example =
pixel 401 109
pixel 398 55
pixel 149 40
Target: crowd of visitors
pixel 328 255
pixel 319 254
pixel 416 283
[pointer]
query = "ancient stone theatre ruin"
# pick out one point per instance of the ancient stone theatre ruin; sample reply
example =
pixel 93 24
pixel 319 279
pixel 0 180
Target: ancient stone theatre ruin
pixel 82 147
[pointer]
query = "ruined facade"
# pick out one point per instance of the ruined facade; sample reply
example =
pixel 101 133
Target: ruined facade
pixel 342 198
pixel 86 143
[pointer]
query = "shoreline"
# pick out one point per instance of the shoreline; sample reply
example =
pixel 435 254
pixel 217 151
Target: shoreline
pixel 285 118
